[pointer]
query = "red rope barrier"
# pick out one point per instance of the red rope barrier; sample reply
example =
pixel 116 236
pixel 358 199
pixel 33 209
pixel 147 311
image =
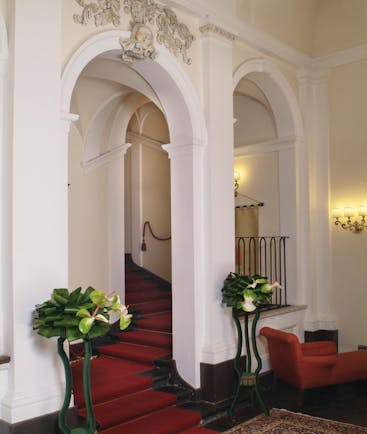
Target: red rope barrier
pixel 143 244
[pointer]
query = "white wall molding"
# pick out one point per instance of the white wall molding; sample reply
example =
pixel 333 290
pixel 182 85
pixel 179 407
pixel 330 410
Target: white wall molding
pixel 266 146
pixel 67 119
pixel 211 29
pixel 16 407
pixel 144 140
pixel 105 158
pixel 178 150
pixel 342 57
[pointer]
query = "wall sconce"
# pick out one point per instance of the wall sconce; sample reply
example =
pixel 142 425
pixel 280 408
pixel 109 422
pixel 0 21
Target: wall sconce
pixel 237 177
pixel 344 218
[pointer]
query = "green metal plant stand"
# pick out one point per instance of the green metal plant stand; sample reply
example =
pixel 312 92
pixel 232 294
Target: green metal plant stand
pixel 245 376
pixel 90 427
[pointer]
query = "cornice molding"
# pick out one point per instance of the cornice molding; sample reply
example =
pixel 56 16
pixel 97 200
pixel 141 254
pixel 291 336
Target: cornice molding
pixel 104 158
pixel 265 43
pixel 67 119
pixel 210 28
pixel 315 75
pixel 182 149
pixel 145 141
pixel 342 57
pixel 267 146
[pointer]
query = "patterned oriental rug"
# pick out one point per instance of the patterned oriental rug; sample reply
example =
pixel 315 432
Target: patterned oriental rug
pixel 286 422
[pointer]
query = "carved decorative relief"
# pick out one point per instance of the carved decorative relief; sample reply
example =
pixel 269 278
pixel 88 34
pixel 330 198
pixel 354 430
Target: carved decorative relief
pixel 211 28
pixel 171 33
pixel 175 36
pixel 102 11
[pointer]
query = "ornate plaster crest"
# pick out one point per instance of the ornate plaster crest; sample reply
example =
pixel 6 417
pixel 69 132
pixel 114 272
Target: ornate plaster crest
pixel 171 33
pixel 103 11
pixel 140 45
pixel 175 36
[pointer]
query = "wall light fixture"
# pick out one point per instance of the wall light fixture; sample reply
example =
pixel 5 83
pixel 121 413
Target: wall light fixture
pixel 237 177
pixel 346 218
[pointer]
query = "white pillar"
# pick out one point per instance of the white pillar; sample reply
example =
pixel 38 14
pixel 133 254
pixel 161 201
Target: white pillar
pixel 219 344
pixel 313 85
pixel 5 181
pixel 116 220
pixel 187 257
pixel 39 207
pixel 136 203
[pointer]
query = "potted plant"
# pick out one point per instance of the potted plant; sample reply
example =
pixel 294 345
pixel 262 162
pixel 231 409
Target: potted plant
pixel 247 294
pixel 78 315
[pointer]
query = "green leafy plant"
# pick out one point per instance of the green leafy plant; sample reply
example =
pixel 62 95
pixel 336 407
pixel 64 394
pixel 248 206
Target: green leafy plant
pixel 79 315
pixel 247 292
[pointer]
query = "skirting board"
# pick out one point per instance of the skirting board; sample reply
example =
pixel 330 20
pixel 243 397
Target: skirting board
pixel 46 424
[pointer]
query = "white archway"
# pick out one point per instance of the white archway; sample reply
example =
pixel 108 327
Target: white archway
pixel 292 166
pixel 185 118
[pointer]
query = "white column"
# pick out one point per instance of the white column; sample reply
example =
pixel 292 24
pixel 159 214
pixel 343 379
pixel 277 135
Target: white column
pixel 219 341
pixel 313 85
pixel 187 257
pixel 136 203
pixel 39 207
pixel 116 221
pixel 5 182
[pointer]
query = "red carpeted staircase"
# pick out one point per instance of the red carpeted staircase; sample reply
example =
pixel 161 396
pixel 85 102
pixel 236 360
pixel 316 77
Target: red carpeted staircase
pixel 124 376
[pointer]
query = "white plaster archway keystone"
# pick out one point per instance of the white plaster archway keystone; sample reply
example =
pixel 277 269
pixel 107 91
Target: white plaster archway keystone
pixel 186 122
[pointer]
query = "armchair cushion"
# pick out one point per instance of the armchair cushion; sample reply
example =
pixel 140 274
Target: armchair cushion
pixel 319 348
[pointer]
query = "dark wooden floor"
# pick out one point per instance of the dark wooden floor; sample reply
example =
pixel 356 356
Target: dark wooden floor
pixel 345 403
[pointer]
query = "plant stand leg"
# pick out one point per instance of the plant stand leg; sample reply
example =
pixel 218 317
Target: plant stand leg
pixel 91 422
pixel 237 363
pixel 259 363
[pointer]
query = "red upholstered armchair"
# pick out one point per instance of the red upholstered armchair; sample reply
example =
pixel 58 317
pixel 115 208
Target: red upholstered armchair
pixel 313 364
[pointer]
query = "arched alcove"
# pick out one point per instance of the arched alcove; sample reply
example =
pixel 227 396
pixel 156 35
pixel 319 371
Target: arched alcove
pixel 276 96
pixel 185 120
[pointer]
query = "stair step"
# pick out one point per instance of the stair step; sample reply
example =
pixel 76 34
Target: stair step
pixel 109 378
pixel 147 337
pixel 157 322
pixel 129 407
pixel 138 353
pixel 168 421
pixel 141 285
pixel 152 306
pixel 140 297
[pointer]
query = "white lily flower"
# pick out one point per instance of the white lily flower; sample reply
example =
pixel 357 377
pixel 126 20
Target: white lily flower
pixel 248 304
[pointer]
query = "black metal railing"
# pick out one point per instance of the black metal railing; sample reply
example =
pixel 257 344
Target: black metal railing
pixel 265 256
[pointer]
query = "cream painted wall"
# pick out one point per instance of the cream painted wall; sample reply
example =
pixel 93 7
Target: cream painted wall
pixel 339 25
pixel 348 180
pixel 157 209
pixel 88 221
pixel 254 122
pixel 290 21
pixel 260 180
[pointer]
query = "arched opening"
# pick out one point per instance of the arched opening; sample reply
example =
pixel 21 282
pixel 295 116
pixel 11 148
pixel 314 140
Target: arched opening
pixel 267 132
pixel 173 91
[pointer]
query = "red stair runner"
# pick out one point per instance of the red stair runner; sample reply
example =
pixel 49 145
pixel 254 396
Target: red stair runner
pixel 138 353
pixel 148 337
pixel 124 402
pixel 128 407
pixel 159 322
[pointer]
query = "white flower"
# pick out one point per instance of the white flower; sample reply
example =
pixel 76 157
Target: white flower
pixel 248 304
